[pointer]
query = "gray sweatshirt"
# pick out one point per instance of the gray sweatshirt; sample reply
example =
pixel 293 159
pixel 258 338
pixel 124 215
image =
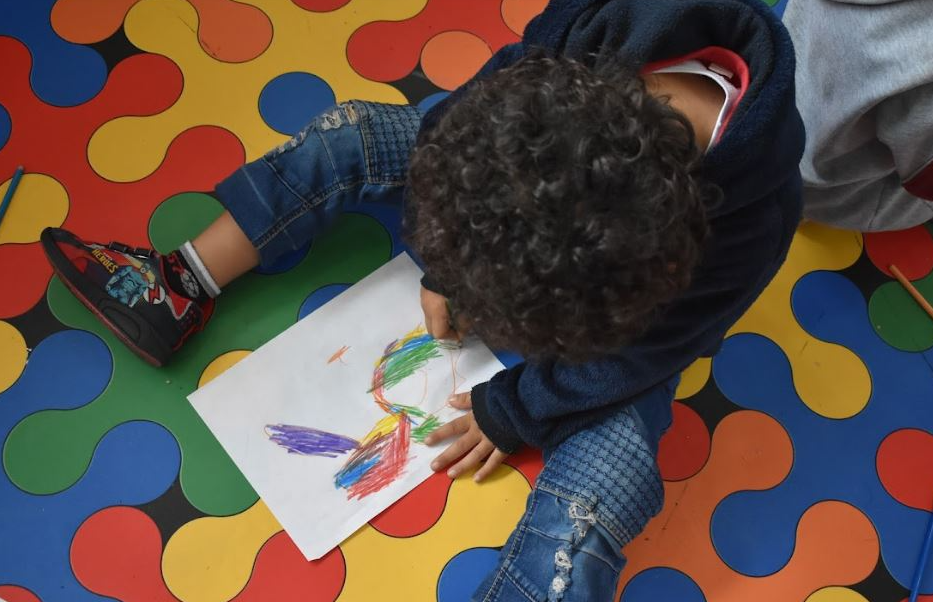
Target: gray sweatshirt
pixel 865 92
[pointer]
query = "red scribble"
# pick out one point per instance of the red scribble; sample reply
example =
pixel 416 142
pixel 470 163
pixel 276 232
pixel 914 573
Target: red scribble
pixel 392 451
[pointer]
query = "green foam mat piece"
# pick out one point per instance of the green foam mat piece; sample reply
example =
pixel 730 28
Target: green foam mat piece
pixel 898 319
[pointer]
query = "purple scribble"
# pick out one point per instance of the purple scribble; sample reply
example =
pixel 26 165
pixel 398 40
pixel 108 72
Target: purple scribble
pixel 310 442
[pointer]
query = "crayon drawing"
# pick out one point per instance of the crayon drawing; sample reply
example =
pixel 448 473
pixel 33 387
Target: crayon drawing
pixel 382 454
pixel 338 355
pixel 327 421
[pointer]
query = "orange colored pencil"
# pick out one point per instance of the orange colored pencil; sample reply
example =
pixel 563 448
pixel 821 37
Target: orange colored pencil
pixel 912 290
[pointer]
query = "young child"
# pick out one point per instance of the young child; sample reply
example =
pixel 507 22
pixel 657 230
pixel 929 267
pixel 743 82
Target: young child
pixel 606 197
pixel 865 92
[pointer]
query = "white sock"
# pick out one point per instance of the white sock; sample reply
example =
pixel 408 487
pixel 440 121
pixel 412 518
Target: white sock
pixel 200 271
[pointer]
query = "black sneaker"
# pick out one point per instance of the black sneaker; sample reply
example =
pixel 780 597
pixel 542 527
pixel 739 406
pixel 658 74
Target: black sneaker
pixel 127 288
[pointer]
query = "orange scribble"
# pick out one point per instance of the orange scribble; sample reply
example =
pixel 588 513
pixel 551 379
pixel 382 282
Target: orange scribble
pixel 338 355
pixel 454 371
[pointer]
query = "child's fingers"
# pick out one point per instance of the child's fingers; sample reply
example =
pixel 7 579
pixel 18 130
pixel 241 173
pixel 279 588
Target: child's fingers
pixel 436 317
pixel 454 450
pixel 460 401
pixel 495 459
pixel 438 327
pixel 458 426
pixel 476 455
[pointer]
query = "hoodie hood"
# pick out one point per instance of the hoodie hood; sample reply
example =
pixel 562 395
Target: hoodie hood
pixel 761 147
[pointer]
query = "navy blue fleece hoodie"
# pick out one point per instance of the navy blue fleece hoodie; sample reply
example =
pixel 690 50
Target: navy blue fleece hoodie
pixel 755 163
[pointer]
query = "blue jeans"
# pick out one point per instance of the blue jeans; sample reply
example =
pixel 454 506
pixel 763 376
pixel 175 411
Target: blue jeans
pixel 598 488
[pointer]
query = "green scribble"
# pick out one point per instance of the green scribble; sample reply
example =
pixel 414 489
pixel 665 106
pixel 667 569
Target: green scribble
pixel 403 358
pixel 430 424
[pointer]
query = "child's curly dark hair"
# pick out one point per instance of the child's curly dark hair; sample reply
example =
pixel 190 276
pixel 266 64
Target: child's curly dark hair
pixel 558 207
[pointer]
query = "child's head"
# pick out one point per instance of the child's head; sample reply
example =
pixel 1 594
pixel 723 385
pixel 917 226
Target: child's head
pixel 557 207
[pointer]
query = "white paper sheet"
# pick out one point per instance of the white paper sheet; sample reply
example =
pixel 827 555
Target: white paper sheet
pixel 317 375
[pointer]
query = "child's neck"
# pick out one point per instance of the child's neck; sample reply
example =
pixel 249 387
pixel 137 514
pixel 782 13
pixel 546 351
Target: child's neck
pixel 697 97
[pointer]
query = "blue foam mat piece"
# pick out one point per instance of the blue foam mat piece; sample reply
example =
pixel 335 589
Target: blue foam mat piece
pixel 134 463
pixel 6 126
pixel 291 100
pixel 319 297
pixel 662 584
pixel 63 74
pixel 464 572
pixel 754 531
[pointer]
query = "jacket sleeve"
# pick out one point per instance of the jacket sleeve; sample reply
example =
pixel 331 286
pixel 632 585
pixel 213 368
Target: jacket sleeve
pixel 905 126
pixel 867 100
pixel 895 190
pixel 542 403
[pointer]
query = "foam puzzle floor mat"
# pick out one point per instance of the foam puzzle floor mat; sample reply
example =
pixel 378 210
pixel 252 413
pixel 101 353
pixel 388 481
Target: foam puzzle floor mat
pixel 796 470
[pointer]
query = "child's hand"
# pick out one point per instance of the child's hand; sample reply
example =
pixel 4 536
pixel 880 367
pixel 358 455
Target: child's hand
pixel 470 441
pixel 436 315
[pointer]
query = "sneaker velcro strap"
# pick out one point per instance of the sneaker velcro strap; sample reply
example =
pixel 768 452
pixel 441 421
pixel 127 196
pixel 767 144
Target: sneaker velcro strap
pixel 119 247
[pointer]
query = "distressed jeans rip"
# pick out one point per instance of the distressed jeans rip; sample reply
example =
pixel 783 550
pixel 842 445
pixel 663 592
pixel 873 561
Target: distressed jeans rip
pixel 582 519
pixel 342 114
pixel 339 116
pixel 290 144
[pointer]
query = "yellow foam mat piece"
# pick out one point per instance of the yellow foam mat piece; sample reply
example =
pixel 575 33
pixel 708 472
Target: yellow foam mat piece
pixel 225 94
pixel 211 559
pixel 37 202
pixel 836 594
pixel 816 364
pixel 219 364
pixel 694 378
pixel 13 355
pixel 374 559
